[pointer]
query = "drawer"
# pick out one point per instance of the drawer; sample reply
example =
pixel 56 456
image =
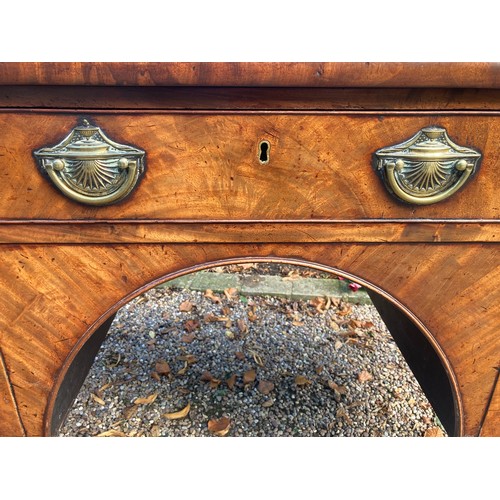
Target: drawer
pixel 211 166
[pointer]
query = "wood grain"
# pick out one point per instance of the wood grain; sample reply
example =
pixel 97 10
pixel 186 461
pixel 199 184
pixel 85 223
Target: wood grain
pixel 361 231
pixel 249 98
pixel 206 166
pixel 287 74
pixel 44 319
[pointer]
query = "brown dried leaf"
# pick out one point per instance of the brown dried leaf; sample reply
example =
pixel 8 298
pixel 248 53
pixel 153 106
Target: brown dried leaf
pixel 364 376
pixel 344 310
pixel 155 376
pixel 249 376
pixel 155 430
pixel 265 386
pixel 338 344
pixel 206 377
pixel 319 369
pixel 178 414
pixel 183 370
pixel 319 303
pixel 297 323
pixel 219 427
pixel 434 432
pixel 339 389
pixel 130 411
pixel 191 324
pixel 231 293
pixel 147 400
pixel 112 433
pixel 186 306
pixel 239 355
pixel 252 316
pixel 242 326
pixel 268 403
pixel 97 399
pixel 162 367
pixel 301 380
pixel 230 381
pixel 188 337
pixel 190 359
pixel 341 413
pixel 209 294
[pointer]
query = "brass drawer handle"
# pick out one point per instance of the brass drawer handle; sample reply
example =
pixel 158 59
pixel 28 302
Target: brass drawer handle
pixel 90 168
pixel 427 168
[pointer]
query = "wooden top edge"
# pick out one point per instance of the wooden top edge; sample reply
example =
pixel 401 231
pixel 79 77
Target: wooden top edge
pixel 254 74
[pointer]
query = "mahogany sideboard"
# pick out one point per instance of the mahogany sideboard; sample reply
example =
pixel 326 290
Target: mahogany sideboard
pixel 116 177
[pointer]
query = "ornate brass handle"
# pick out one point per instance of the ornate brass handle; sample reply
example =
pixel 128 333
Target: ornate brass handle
pixel 427 168
pixel 90 168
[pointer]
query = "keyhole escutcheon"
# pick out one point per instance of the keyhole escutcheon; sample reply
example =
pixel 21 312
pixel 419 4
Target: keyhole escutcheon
pixel 264 150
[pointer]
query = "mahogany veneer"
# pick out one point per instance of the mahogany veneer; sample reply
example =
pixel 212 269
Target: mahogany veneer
pixel 205 198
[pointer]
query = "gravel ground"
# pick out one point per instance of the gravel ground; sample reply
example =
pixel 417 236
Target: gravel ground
pixel 185 363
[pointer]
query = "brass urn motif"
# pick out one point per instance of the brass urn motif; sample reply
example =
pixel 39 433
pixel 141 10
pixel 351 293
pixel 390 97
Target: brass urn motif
pixel 427 168
pixel 90 168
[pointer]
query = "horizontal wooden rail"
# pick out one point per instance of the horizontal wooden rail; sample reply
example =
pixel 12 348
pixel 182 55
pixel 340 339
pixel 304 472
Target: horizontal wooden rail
pixel 365 231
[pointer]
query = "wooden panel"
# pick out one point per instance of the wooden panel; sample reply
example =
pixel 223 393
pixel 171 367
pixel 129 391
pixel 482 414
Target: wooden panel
pixel 294 74
pixel 202 166
pixel 249 98
pixel 51 295
pixel 88 232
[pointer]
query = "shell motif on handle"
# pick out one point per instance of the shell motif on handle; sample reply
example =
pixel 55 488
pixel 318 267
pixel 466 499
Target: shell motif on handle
pixel 427 168
pixel 90 168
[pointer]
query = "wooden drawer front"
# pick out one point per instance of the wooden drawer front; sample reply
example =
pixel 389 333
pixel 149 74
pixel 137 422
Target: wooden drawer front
pixel 206 166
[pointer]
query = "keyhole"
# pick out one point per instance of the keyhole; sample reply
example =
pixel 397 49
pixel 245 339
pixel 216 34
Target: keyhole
pixel 264 148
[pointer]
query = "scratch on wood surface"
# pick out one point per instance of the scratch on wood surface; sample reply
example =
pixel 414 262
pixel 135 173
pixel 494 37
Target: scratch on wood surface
pixel 11 392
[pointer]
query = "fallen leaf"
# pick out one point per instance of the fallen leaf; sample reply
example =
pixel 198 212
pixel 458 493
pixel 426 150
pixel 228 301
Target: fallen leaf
pixel 162 367
pixel 297 323
pixel 354 323
pixel 339 389
pixel 230 335
pixel 239 355
pixel 187 338
pixel 147 400
pixel 230 381
pixel 178 414
pixel 191 324
pixel 190 359
pixel 341 413
pixel 130 411
pixel 301 380
pixel 242 326
pixel 104 387
pixel 208 377
pixel 183 370
pixel 344 310
pixel 364 376
pixel 265 387
pixel 231 293
pixel 256 357
pixel 249 376
pixel 338 344
pixel 111 433
pixel 155 376
pixel 319 369
pixel 219 427
pixel 434 432
pixel 251 315
pixel 97 399
pixel 209 294
pixel 186 306
pixel 319 303
pixel 268 403
pixel 155 430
